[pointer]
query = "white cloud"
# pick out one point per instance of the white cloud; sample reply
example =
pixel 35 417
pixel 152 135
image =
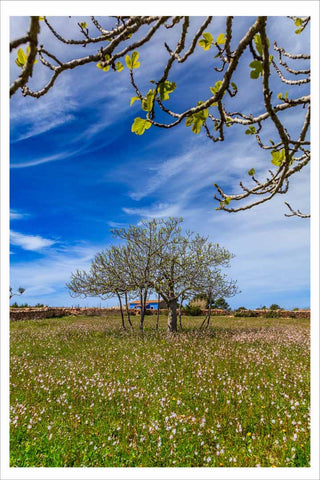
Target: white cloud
pixel 48 275
pixel 16 215
pixel 30 242
pixel 158 210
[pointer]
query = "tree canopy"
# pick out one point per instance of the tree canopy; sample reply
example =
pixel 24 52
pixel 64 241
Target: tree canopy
pixel 283 77
pixel 157 257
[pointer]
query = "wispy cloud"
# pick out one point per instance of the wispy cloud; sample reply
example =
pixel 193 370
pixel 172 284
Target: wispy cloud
pixel 45 278
pixel 17 215
pixel 158 210
pixel 30 242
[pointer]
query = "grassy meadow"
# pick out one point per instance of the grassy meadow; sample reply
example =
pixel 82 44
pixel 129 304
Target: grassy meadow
pixel 86 394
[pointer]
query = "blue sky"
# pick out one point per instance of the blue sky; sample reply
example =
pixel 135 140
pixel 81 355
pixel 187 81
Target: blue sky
pixel 77 171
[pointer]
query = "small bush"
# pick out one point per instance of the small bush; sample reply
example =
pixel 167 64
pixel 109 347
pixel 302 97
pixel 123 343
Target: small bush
pixel 274 306
pixel 23 305
pixel 193 310
pixel 245 313
pixel 273 314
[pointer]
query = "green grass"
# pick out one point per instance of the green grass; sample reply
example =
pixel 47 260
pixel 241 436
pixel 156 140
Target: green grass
pixel 84 393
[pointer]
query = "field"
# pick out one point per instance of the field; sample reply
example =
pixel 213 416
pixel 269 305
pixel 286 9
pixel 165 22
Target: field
pixel 85 393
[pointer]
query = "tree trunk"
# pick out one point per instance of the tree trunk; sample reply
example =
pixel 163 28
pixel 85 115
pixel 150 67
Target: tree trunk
pixel 121 311
pixel 142 311
pixel 172 317
pixel 128 311
pixel 209 316
pixel 158 313
pixel 180 323
pixel 209 310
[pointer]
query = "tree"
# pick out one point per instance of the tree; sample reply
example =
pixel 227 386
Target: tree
pixel 156 257
pixel 275 306
pixel 271 66
pixel 107 278
pixel 142 254
pixel 221 303
pixel 182 265
pixel 213 284
pixel 20 291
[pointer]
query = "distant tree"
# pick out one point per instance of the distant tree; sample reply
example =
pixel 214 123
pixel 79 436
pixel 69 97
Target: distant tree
pixel 275 306
pixel 221 303
pixel 214 284
pixel 20 291
pixel 213 115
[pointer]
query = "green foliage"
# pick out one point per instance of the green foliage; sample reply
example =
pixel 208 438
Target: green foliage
pixel 273 314
pixel 258 44
pixel 133 99
pixel 245 314
pixel 274 306
pixel 257 69
pixel 165 88
pixel 22 57
pixel 107 67
pixel 221 303
pixel 251 172
pixel 221 39
pixel 22 305
pixel 216 88
pixel 119 66
pixel 206 41
pixel 283 96
pixel 140 125
pixel 278 157
pixel 147 102
pixel 197 120
pixel 298 23
pixel 132 62
pixel 193 310
pixel 251 130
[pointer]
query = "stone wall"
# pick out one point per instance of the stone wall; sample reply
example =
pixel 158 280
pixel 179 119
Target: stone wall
pixel 54 312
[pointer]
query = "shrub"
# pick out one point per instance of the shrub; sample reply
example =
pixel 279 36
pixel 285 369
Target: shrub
pixel 193 310
pixel 221 304
pixel 245 313
pixel 23 305
pixel 273 314
pixel 274 306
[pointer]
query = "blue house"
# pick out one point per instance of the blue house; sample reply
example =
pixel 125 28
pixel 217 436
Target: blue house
pixel 150 305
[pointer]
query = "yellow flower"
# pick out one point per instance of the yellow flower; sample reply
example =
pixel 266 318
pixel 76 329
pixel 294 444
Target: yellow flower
pixel 248 434
pixel 274 466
